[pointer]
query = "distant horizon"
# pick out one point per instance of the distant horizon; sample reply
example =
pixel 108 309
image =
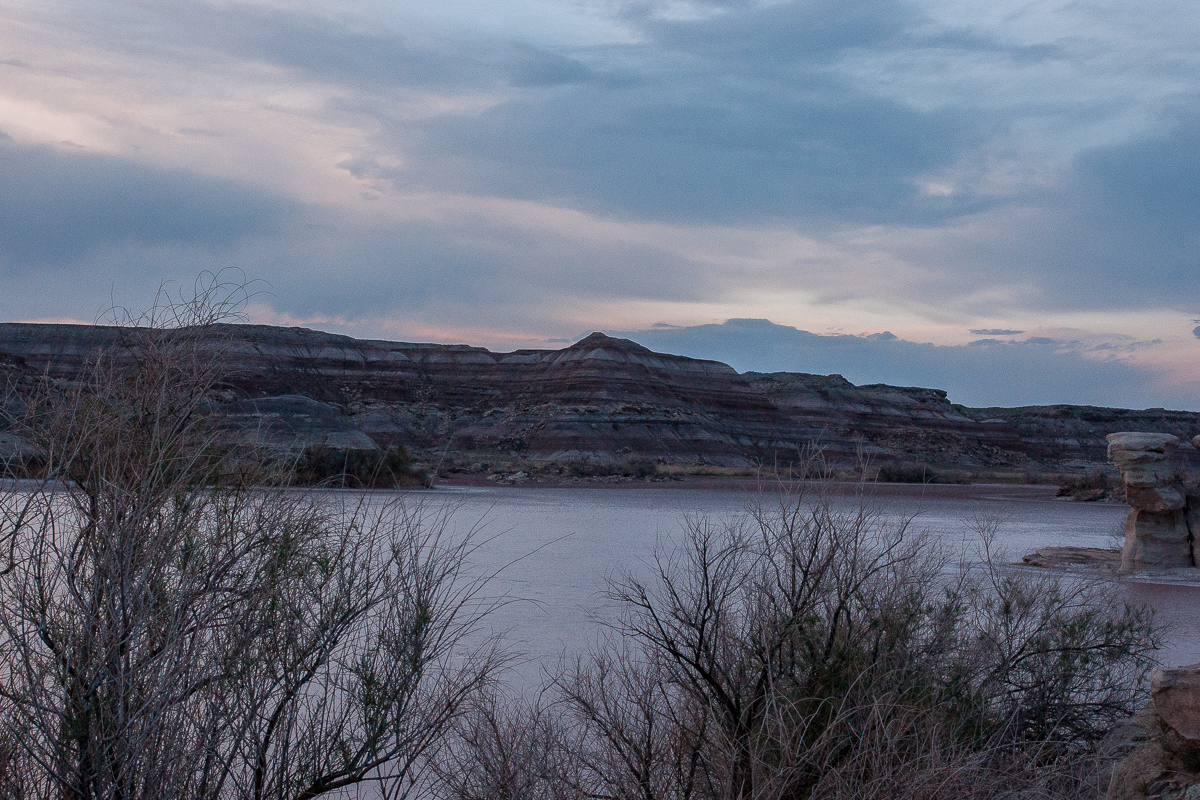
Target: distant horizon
pixel 864 360
pixel 1008 189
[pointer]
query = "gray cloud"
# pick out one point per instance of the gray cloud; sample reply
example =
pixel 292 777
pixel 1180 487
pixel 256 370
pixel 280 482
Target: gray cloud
pixel 500 272
pixel 57 206
pixel 1129 227
pixel 975 42
pixel 1139 210
pixel 734 118
pixel 983 373
pixel 779 34
pixel 741 116
pixel 1122 231
pixel 467 273
pixel 753 115
pixel 327 47
pixel 745 117
pixel 314 46
pixel 687 154
pixel 534 67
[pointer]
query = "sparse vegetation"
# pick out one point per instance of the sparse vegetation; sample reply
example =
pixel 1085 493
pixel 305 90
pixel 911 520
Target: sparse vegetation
pixel 625 468
pixel 318 465
pixel 173 628
pixel 816 650
pixel 1092 486
pixel 169 630
pixel 908 472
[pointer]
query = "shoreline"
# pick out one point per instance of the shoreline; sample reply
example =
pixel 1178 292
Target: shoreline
pixel 1027 492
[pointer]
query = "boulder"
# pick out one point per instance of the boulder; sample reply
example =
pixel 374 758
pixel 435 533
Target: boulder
pixel 1151 481
pixel 1176 697
pixel 1068 557
pixel 1145 768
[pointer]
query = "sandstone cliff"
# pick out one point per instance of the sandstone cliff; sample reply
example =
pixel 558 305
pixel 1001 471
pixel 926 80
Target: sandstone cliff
pixel 601 400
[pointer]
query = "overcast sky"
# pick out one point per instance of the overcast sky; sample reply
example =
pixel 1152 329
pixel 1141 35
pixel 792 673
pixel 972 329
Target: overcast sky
pixel 1002 195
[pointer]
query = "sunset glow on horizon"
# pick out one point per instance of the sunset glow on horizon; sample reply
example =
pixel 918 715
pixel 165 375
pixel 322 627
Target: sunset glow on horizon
pixel 520 173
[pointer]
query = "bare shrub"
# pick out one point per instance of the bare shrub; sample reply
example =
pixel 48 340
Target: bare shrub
pixel 505 748
pixel 346 468
pixel 819 649
pixel 168 629
pixel 1095 485
pixel 633 732
pixel 628 467
pixel 168 632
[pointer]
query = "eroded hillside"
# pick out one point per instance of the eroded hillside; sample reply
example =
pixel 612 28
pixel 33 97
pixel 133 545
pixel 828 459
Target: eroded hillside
pixel 600 401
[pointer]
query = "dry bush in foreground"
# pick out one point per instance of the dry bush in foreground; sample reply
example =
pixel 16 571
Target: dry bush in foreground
pixel 505 748
pixel 168 630
pixel 167 633
pixel 820 650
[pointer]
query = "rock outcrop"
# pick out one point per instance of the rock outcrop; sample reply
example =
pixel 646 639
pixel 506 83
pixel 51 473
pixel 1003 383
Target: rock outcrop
pixel 1162 760
pixel 601 400
pixel 1176 696
pixel 291 423
pixel 1152 482
pixel 1087 558
pixel 1158 533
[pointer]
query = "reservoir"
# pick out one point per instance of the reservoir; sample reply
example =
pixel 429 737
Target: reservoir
pixel 553 547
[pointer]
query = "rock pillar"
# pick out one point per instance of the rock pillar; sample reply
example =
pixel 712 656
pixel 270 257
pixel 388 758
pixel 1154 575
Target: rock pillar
pixel 1192 499
pixel 1157 534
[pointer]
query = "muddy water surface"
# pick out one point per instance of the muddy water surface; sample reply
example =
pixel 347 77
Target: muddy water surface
pixel 558 544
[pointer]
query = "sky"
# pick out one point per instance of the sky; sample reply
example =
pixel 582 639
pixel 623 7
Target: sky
pixel 1000 198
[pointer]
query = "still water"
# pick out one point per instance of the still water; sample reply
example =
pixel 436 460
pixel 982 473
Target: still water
pixel 554 547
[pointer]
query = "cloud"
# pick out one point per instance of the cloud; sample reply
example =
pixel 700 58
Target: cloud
pixel 684 155
pixel 461 274
pixel 534 67
pixel 1126 231
pixel 332 46
pixel 1121 231
pixel 908 164
pixel 58 206
pixel 735 117
pixel 1196 332
pixel 987 372
pixel 777 35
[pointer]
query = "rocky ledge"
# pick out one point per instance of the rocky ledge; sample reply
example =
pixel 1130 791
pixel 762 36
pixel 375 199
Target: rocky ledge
pixel 1088 558
pixel 1164 515
pixel 603 405
pixel 1163 743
